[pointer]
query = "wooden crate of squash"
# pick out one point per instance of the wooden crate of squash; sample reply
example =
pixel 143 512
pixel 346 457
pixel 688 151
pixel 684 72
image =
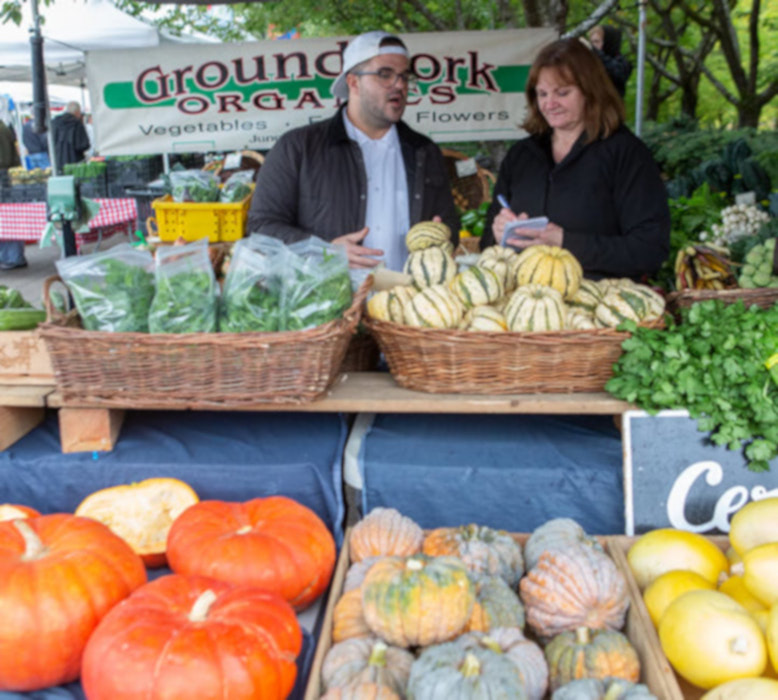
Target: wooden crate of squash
pixel 360 632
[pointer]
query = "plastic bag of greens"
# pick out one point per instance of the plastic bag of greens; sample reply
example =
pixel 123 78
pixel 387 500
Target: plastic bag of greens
pixel 112 289
pixel 194 186
pixel 186 296
pixel 237 187
pixel 317 287
pixel 252 289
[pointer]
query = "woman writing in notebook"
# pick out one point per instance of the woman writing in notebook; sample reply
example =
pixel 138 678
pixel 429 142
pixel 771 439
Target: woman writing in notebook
pixel 580 167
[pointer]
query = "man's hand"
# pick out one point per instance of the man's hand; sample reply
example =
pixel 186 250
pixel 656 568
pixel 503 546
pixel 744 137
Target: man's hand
pixel 358 255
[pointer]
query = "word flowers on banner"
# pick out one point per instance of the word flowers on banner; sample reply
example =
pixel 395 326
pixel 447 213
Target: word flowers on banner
pixel 204 97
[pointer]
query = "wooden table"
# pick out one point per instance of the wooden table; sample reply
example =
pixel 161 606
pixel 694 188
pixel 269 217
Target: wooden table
pixel 85 427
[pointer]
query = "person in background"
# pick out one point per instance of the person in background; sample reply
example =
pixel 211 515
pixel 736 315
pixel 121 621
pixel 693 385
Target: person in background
pixel 90 132
pixel 71 142
pixel 580 167
pixel 363 177
pixel 11 252
pixel 606 43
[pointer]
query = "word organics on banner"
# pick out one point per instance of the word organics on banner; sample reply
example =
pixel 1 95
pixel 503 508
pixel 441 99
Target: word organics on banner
pixel 189 98
pixel 675 476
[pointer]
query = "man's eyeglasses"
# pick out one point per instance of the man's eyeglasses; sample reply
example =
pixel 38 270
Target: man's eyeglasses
pixel 387 77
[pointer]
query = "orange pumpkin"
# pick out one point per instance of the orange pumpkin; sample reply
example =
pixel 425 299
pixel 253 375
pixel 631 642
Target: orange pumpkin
pixel 141 513
pixel 348 621
pixel 186 637
pixel 12 511
pixel 273 543
pixel 59 575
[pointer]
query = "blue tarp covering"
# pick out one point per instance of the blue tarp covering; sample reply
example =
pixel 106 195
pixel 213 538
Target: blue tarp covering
pixel 505 471
pixel 222 455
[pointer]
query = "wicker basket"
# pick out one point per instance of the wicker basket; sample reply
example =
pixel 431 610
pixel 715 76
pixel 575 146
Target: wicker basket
pixel 362 353
pixel 195 370
pixel 464 362
pixel 471 190
pixel 764 297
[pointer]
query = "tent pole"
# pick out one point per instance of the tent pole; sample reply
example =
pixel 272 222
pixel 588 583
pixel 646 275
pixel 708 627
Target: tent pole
pixel 641 66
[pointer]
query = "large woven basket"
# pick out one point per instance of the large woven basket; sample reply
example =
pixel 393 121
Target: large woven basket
pixel 764 297
pixel 464 362
pixel 195 370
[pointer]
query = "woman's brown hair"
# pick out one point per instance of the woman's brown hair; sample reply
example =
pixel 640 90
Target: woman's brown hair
pixel 577 65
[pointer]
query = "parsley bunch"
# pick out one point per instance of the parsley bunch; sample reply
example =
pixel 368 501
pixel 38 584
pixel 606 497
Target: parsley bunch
pixel 712 363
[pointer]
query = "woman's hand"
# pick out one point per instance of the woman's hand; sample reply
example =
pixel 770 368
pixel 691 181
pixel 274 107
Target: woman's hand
pixel 498 224
pixel 522 238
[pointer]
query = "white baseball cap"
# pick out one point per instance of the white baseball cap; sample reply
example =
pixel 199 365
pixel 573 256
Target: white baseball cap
pixel 363 48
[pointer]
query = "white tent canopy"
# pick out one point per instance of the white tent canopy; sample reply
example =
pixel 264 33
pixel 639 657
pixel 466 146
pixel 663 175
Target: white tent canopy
pixel 70 28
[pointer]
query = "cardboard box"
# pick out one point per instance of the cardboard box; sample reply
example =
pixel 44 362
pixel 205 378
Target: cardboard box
pixel 656 672
pixel 24 359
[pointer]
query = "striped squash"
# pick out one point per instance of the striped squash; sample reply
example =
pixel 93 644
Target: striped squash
pixel 433 307
pixel 388 304
pixel 477 286
pixel 615 308
pixel 484 318
pixel 655 302
pixel 502 261
pixel 430 266
pixel 535 308
pixel 580 320
pixel 552 266
pixel 588 295
pixel 427 234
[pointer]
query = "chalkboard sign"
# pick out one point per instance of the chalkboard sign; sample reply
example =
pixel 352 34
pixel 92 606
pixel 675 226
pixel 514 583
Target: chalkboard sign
pixel 674 476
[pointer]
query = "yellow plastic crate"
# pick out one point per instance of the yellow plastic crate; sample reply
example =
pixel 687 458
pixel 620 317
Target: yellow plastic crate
pixel 192 221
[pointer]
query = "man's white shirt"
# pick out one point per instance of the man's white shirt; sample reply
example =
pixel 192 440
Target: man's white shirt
pixel 387 216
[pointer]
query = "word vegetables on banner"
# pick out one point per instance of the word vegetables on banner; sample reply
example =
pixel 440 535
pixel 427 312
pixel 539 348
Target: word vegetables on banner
pixel 190 98
pixel 675 476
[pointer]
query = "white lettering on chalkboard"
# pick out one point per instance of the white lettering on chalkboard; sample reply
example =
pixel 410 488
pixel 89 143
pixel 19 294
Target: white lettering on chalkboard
pixel 732 500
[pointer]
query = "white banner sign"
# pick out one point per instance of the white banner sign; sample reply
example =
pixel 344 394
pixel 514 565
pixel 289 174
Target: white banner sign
pixel 189 98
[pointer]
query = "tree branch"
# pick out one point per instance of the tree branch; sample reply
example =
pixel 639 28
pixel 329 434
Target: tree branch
pixel 603 9
pixel 726 94
pixel 753 45
pixel 421 8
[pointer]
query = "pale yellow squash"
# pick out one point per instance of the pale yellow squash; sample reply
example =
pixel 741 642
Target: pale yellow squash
pixel 735 588
pixel 759 569
pixel 710 639
pixel 756 523
pixel 664 589
pixel 744 689
pixel 772 636
pixel 663 550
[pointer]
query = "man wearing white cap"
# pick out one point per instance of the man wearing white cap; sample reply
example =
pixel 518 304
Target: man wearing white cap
pixel 362 177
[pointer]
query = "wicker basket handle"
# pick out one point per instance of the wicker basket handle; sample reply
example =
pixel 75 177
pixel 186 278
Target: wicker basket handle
pixel 52 313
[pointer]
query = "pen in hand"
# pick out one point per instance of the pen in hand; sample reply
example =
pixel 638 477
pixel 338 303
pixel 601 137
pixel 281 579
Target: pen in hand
pixel 503 202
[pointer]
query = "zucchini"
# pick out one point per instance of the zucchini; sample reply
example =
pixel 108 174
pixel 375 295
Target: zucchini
pixel 20 319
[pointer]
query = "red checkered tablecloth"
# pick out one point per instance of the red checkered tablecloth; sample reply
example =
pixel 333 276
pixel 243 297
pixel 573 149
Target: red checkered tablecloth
pixel 25 221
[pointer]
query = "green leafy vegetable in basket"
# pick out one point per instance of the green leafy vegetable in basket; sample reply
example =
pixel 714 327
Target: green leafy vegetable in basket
pixel 185 299
pixel 251 298
pixel 17 314
pixel 317 286
pixel 112 290
pixel 194 186
pixel 713 364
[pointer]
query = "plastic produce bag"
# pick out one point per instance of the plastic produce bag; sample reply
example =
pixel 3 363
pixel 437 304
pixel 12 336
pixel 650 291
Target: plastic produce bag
pixel 112 289
pixel 186 296
pixel 237 187
pixel 251 295
pixel 317 286
pixel 194 186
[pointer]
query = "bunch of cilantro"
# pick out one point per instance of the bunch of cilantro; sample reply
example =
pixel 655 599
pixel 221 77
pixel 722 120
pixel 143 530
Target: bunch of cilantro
pixel 712 363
